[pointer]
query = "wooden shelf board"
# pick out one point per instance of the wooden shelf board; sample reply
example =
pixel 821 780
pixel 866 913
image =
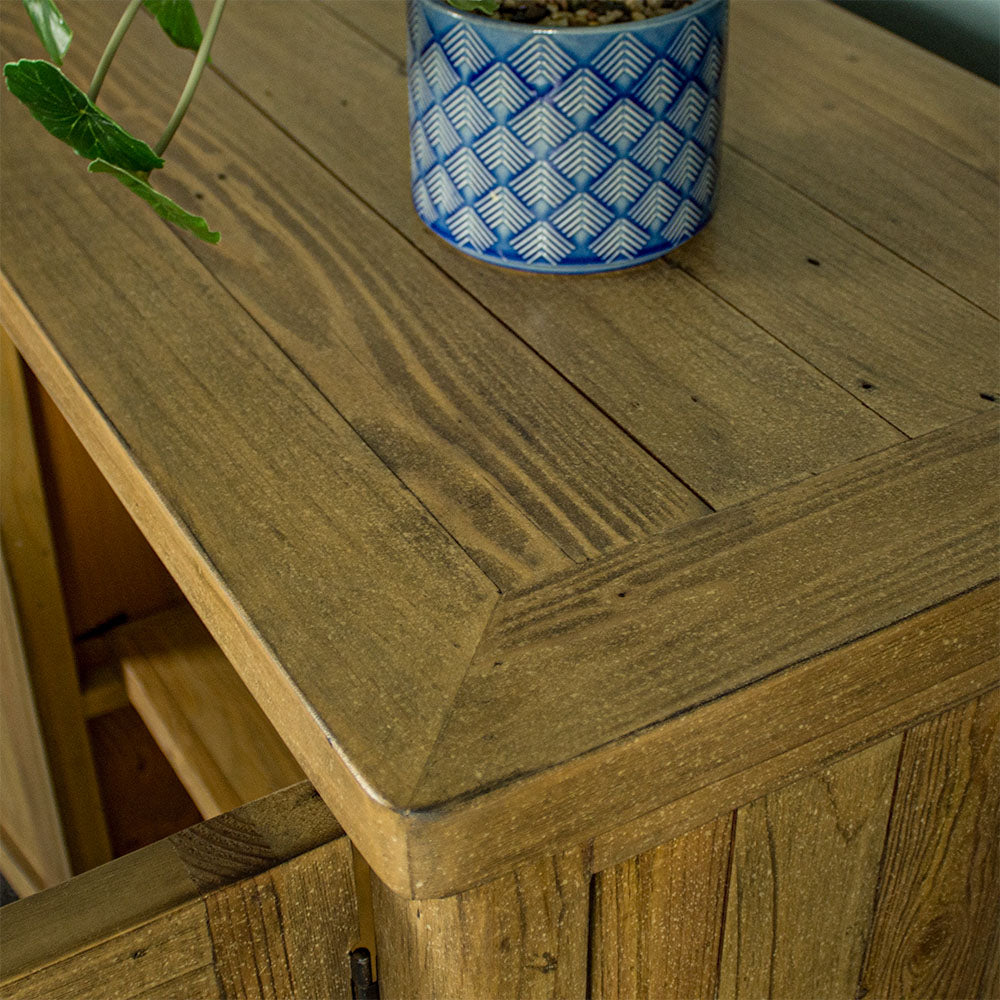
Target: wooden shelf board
pixel 214 734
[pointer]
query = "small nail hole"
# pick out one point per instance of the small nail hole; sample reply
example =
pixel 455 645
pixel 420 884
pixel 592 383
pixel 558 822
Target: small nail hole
pixel 988 396
pixel 813 261
pixel 867 385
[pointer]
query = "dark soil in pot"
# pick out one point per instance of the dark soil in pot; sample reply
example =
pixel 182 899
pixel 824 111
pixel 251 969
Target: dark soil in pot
pixel 584 13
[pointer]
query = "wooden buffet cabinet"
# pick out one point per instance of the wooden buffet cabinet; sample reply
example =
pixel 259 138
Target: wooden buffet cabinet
pixel 629 636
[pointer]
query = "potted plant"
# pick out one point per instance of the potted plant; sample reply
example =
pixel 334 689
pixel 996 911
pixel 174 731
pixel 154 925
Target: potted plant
pixel 565 136
pixel 573 143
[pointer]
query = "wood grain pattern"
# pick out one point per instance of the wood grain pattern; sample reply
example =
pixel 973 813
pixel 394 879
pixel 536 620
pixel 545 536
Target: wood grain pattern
pixel 936 99
pixel 258 436
pixel 763 775
pixel 723 405
pixel 802 887
pixel 346 542
pixel 878 327
pixel 710 607
pixel 26 541
pixel 840 150
pixel 214 734
pixel 535 919
pixel 106 567
pixel 34 851
pixel 939 900
pixel 656 921
pixel 264 892
pixel 525 475
pixel 288 931
pixel 890 335
pixel 725 753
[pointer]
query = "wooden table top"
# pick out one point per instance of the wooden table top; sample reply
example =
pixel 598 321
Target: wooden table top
pixel 516 562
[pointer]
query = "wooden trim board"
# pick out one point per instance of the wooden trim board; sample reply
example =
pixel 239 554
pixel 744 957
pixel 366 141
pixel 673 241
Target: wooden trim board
pixel 912 525
pixel 460 712
pixel 265 892
pixel 207 724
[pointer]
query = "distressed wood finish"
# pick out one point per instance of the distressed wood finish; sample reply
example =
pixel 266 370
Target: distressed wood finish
pixel 32 849
pixel 938 909
pixel 840 149
pixel 29 553
pixel 258 902
pixel 107 569
pixel 209 727
pixel 803 882
pixel 879 68
pixel 535 919
pixel 910 368
pixel 656 923
pixel 526 569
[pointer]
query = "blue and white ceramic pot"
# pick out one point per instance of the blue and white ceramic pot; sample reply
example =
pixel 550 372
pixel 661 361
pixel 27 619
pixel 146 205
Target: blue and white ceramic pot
pixel 565 150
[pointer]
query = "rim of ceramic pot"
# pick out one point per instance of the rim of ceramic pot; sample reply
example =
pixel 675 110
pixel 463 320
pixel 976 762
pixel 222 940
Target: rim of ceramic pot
pixel 497 24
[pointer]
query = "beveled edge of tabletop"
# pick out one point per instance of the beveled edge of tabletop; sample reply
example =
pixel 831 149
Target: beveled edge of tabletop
pixel 478 810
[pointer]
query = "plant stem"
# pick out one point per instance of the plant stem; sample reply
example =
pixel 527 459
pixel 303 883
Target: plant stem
pixel 112 47
pixel 193 77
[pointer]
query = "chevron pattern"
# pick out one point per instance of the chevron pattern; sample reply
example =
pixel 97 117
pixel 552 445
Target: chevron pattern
pixel 565 151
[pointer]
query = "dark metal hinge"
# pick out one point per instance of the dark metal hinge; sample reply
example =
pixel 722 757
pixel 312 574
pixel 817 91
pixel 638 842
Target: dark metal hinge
pixel 363 987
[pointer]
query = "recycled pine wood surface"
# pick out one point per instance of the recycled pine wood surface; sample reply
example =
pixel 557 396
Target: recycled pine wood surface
pixel 214 734
pixel 488 549
pixel 44 636
pixel 258 902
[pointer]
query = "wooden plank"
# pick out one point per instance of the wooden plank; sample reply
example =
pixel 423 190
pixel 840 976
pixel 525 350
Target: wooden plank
pixel 918 355
pixel 142 961
pixel 173 917
pixel 287 932
pixel 802 888
pixel 107 569
pixel 728 409
pixel 727 752
pixel 887 333
pixel 656 921
pixel 937 100
pixel 525 474
pixel 214 734
pixel 522 935
pixel 143 799
pixel 710 607
pixel 838 148
pixel 34 849
pixel 758 779
pixel 882 330
pixel 940 884
pixel 26 541
pixel 340 643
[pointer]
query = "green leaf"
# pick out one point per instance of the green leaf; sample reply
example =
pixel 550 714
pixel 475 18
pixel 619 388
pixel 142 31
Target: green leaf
pixel 483 6
pixel 50 27
pixel 162 205
pixel 178 19
pixel 70 115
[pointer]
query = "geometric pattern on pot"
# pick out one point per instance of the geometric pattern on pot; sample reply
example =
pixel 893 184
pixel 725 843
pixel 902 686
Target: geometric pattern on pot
pixel 565 149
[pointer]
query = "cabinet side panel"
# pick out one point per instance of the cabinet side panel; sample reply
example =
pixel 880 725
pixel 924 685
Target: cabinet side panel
pixel 940 887
pixel 657 919
pixel 803 881
pixel 524 935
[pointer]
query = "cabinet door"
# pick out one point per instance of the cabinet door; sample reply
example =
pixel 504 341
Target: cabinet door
pixel 31 838
pixel 258 902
